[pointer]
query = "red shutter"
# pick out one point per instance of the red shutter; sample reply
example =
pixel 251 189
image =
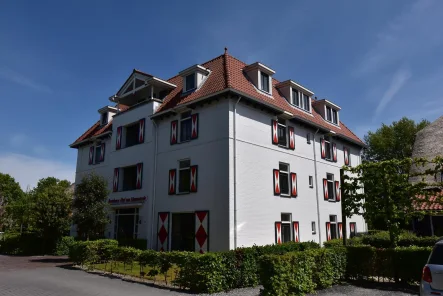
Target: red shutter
pixel 202 231
pixel 162 231
pixel 328 231
pixel 118 143
pixel 91 155
pixel 293 184
pixel 278 233
pixel 340 229
pixel 141 130
pixel 194 175
pixel 334 152
pixel 323 148
pixel 337 191
pixel 274 132
pixel 295 226
pixel 353 229
pixel 325 189
pixel 291 138
pixel 346 153
pixel 174 124
pixel 172 175
pixel 102 152
pixel 276 176
pixel 139 175
pixel 194 126
pixel 115 180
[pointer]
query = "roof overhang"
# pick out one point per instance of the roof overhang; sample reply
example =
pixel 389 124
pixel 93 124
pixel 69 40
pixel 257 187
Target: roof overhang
pixel 160 82
pixel 89 140
pixel 259 66
pixel 194 68
pixel 328 103
pixel 107 109
pixel 294 84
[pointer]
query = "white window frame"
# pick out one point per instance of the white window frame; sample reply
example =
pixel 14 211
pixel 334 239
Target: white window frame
pixel 333 111
pixel 185 84
pixel 328 141
pixel 287 223
pixel 180 127
pixel 331 194
pixel 334 224
pixel 285 126
pixel 179 172
pixel 302 98
pixel 334 120
pixel 261 74
pixel 313 227
pixel 289 177
pixel 137 219
pixel 311 182
pixel 293 102
pixel 104 118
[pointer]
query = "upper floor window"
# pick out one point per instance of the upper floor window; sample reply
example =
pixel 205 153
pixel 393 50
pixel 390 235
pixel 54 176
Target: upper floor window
pixel 306 105
pixel 190 82
pixel 282 132
pixel 331 115
pixel 131 135
pixel 286 227
pixel 185 127
pixel 264 79
pixel 104 118
pixel 97 154
pixel 328 148
pixel 334 231
pixel 331 189
pixel 129 178
pixel 295 98
pixel 184 176
pixel 284 178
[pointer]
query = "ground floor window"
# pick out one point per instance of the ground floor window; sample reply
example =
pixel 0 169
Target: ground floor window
pixel 286 227
pixel 126 223
pixel 183 232
pixel 334 231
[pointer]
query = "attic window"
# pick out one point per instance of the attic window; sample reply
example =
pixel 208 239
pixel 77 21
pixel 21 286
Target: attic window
pixel 264 79
pixel 190 82
pixel 331 115
pixel 104 118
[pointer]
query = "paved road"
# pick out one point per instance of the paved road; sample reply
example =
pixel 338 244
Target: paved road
pixel 48 276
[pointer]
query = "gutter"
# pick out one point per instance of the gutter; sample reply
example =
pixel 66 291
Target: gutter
pixel 235 173
pixel 153 186
pixel 316 190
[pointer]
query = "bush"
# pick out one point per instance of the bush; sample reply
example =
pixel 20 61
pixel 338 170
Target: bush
pixel 380 239
pixel 63 245
pixel 355 241
pixel 140 244
pixel 27 244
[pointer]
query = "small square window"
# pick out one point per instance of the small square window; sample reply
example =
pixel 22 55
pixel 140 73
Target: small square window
pixel 190 82
pixel 264 82
pixel 308 138
pixel 311 183
pixel 285 217
pixel 313 227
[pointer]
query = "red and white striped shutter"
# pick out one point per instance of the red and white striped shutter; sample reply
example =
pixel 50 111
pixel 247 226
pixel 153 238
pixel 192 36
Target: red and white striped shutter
pixel 115 180
pixel 340 229
pixel 172 175
pixel 274 132
pixel 291 138
pixel 346 153
pixel 328 231
pixel 295 226
pixel 194 175
pixel 323 148
pixel 174 124
pixel 194 126
pixel 276 176
pixel 325 189
pixel 118 143
pixel 91 155
pixel 293 184
pixel 141 130
pixel 162 231
pixel 334 152
pixel 102 152
pixel 138 184
pixel 202 231
pixel 278 233
pixel 337 191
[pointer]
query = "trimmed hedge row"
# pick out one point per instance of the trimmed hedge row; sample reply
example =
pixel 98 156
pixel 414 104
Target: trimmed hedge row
pixel 29 243
pixel 200 273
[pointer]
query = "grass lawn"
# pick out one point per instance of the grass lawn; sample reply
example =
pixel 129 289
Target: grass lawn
pixel 120 268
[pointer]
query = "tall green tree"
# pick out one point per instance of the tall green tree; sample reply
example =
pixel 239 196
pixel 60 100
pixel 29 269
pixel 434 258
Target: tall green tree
pixel 394 141
pixel 10 191
pixel 51 210
pixel 90 207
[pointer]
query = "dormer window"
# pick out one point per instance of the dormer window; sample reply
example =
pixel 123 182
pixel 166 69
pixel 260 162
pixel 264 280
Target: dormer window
pixel 331 115
pixel 190 82
pixel 104 118
pixel 264 85
pixel 296 94
pixel 194 77
pixel 306 103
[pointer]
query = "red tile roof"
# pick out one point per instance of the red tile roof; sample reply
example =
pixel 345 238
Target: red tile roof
pixel 227 74
pixel 432 204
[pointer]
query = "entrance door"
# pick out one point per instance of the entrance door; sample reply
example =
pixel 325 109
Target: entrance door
pixel 183 232
pixel 126 226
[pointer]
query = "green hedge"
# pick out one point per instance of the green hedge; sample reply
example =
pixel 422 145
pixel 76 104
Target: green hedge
pixel 301 272
pixel 23 244
pixel 355 241
pixel 380 239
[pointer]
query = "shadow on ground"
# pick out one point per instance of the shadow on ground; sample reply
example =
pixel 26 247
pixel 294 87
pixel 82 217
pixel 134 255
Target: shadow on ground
pixel 406 288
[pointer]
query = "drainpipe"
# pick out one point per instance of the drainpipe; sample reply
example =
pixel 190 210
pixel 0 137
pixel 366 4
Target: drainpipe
pixel 316 190
pixel 235 174
pixel 153 185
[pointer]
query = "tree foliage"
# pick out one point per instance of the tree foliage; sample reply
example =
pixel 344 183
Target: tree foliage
pixel 393 141
pixel 383 189
pixel 90 212
pixel 10 191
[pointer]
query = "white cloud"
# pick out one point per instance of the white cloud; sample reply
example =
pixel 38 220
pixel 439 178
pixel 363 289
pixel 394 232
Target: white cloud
pixel 12 76
pixel 28 170
pixel 397 82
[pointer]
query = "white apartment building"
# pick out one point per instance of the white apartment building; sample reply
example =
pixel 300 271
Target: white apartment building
pixel 220 156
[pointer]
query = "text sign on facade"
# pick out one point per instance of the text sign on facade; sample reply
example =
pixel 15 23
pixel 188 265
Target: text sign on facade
pixel 127 200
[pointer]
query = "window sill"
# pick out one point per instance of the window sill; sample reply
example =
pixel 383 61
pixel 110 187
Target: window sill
pixel 285 195
pixel 188 91
pixel 126 147
pixel 332 200
pixel 182 193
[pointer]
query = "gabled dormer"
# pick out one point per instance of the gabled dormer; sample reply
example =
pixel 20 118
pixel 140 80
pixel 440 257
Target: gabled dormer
pixel 106 114
pixel 328 110
pixel 141 86
pixel 296 94
pixel 260 76
pixel 194 77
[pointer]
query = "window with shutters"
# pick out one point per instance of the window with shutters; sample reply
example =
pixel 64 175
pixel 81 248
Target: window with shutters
pixel 328 148
pixel 184 176
pixel 129 178
pixel 284 179
pixel 313 227
pixel 331 188
pixel 281 132
pixel 131 135
pixel 185 126
pixel 286 233
pixel 98 150
pixel 334 230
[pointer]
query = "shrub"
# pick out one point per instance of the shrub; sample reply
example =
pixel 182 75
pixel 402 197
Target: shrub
pixel 355 241
pixel 27 243
pixel 62 247
pixel 380 239
pixel 140 244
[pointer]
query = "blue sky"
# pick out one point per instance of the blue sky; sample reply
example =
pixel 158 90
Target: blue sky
pixel 61 60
